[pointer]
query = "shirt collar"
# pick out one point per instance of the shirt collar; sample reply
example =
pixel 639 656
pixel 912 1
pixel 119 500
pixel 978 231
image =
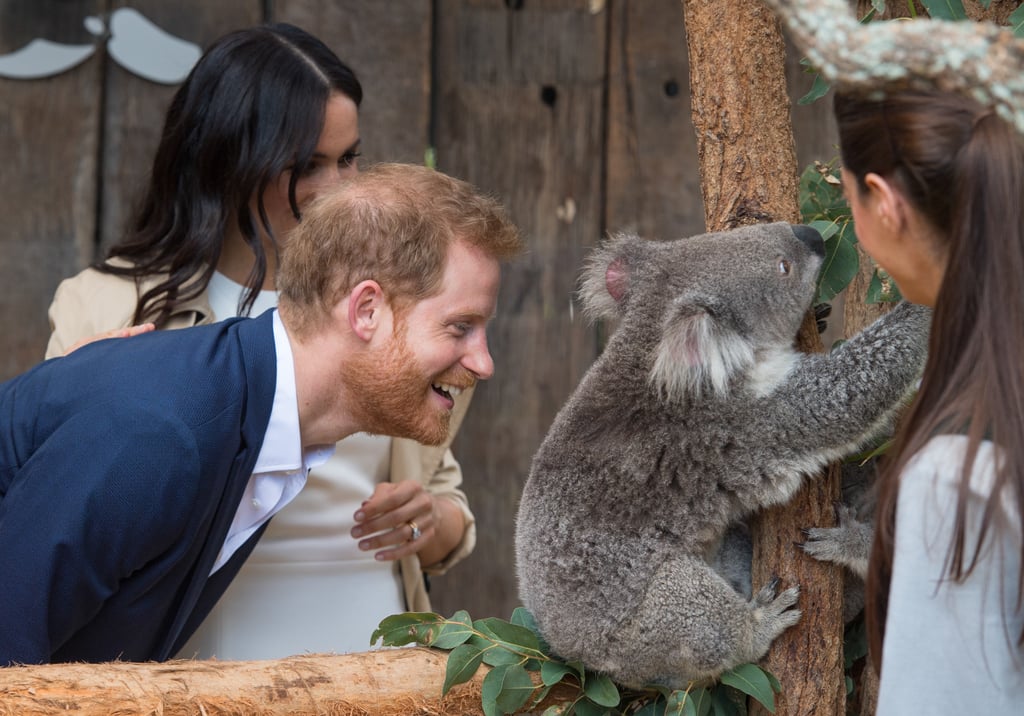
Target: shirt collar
pixel 282 443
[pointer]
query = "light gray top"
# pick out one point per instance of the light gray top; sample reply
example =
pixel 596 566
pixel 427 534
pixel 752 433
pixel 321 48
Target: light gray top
pixel 951 648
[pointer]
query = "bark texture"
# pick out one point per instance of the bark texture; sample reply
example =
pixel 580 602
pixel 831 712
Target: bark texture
pixel 748 175
pixel 391 682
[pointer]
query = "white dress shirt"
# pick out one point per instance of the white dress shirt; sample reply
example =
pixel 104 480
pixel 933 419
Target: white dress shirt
pixel 282 465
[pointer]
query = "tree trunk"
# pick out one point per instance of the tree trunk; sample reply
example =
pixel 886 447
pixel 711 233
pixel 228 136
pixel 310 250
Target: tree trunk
pixel 389 682
pixel 749 175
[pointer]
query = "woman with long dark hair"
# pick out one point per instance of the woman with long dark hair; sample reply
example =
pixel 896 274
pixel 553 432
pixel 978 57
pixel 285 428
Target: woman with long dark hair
pixel 936 185
pixel 267 117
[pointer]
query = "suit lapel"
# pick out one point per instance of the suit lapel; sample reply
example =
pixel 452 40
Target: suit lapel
pixel 254 338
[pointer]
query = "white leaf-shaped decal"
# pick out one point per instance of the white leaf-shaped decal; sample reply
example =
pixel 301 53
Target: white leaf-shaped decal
pixel 42 58
pixel 144 49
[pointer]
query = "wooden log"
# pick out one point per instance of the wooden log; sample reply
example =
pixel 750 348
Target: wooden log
pixel 388 682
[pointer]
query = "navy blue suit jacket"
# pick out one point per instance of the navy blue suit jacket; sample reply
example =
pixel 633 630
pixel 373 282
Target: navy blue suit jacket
pixel 121 468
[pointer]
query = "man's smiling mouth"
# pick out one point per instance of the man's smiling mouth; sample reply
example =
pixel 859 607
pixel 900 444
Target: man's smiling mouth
pixel 446 390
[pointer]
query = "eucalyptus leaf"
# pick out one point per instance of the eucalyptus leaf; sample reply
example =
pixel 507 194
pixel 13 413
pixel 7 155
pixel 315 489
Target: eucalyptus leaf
pixel 463 661
pixel 841 264
pixel 602 690
pixel 512 634
pixel 722 703
pixel 945 9
pixel 819 88
pixel 827 229
pixel 521 616
pixel 457 630
pixel 654 708
pixel 1016 21
pixel 752 681
pixel 680 704
pixel 401 629
pixel 508 687
pixel 551 672
pixel 882 289
pixel 589 708
pixel 701 699
pixel 498 654
pixel 878 5
pixel 557 710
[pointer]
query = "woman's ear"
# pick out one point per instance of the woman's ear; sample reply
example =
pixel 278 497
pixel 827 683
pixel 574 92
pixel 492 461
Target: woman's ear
pixel 886 200
pixel 366 306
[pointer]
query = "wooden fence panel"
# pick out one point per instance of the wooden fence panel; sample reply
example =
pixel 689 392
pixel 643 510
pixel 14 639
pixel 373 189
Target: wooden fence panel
pixel 134 107
pixel 653 185
pixel 49 139
pixel 519 107
pixel 389 46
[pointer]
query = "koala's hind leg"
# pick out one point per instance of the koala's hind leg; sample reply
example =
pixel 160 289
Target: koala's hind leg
pixel 692 625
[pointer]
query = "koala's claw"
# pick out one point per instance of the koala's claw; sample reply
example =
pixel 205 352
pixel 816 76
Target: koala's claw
pixel 848 544
pixel 767 595
pixel 773 615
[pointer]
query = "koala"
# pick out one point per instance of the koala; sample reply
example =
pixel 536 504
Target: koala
pixel 698 412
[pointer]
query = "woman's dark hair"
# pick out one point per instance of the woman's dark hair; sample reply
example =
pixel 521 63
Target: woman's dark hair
pixel 962 168
pixel 253 106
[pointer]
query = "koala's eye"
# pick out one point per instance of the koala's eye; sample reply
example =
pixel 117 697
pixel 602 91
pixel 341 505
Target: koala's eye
pixel 785 267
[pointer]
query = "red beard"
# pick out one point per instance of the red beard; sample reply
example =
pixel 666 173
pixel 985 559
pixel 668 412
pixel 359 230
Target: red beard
pixel 393 394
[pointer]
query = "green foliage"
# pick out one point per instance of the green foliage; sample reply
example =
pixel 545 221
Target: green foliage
pixel 515 648
pixel 855 648
pixel 945 9
pixel 1017 21
pixel 823 206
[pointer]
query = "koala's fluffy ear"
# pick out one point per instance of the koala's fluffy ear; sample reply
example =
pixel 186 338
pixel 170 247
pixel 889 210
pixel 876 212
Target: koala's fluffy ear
pixel 697 352
pixel 605 281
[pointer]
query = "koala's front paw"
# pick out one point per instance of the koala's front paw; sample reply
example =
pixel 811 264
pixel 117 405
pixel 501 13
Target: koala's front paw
pixel 772 615
pixel 848 545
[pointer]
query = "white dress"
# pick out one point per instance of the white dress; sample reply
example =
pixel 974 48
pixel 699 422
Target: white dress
pixel 306 587
pixel 951 648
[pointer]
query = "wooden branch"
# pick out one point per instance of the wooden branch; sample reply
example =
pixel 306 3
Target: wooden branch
pixel 389 682
pixel 977 59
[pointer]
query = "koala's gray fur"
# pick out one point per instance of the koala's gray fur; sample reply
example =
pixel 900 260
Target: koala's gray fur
pixel 698 412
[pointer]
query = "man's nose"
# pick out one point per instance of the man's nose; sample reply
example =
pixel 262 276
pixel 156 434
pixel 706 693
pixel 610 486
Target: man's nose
pixel 478 360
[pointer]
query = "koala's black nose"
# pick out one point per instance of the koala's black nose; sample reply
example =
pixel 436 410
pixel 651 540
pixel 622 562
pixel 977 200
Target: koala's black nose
pixel 811 237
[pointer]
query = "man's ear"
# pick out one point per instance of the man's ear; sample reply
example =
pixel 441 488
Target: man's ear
pixel 887 201
pixel 366 306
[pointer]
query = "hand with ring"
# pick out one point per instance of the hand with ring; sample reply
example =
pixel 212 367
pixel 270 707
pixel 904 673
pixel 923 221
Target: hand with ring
pixel 397 520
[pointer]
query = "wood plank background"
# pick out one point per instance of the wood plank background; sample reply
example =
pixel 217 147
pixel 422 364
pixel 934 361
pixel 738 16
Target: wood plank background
pixel 575 113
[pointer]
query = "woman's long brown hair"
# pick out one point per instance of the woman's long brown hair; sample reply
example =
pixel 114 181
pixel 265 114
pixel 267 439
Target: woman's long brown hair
pixel 962 168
